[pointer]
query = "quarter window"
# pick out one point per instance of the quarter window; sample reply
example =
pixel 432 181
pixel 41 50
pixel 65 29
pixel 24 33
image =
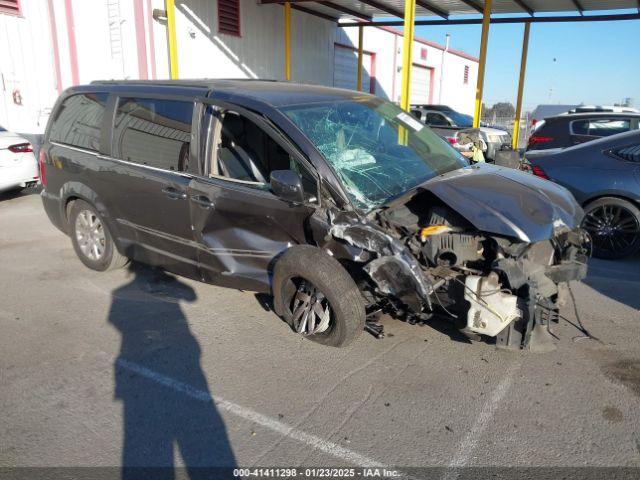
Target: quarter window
pixel 156 133
pixel 78 121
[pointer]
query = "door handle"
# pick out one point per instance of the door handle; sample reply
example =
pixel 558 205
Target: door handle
pixel 202 200
pixel 174 193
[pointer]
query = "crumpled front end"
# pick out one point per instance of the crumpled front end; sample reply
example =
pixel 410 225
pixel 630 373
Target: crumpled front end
pixel 421 257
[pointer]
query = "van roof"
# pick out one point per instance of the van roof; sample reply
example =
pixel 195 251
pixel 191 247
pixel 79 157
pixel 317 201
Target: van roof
pixel 276 93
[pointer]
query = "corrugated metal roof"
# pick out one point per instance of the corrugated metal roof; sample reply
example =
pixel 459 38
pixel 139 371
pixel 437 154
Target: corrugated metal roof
pixel 371 9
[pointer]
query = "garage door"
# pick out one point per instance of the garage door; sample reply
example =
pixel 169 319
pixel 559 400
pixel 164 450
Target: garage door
pixel 345 69
pixel 420 85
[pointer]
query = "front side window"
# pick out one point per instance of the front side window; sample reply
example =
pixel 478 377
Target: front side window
pixel 153 132
pixel 245 152
pixel 78 121
pixel 601 127
pixel 377 150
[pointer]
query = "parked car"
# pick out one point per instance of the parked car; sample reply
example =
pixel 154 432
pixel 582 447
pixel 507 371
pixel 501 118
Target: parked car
pixel 338 204
pixel 604 176
pixel 18 166
pixel 579 126
pixel 448 123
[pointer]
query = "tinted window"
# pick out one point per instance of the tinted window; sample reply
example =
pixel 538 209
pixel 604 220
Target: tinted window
pixel 153 132
pixel 436 119
pixel 78 121
pixel 600 127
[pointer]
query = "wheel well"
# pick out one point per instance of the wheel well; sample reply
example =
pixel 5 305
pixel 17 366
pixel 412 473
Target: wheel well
pixel 619 197
pixel 67 208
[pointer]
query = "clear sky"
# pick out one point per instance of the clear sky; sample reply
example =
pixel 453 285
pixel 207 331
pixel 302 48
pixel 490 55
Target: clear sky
pixel 570 63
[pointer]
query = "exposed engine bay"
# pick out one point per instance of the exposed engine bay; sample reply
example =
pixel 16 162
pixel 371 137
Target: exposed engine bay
pixel 418 257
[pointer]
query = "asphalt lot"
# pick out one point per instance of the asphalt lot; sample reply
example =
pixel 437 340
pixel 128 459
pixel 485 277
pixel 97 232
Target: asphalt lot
pixel 100 367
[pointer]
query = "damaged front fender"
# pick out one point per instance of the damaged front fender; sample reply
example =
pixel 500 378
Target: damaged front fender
pixel 394 270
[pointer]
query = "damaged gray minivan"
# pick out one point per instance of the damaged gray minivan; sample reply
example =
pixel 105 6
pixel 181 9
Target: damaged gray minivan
pixel 337 203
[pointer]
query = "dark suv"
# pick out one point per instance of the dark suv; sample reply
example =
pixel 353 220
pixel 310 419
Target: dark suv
pixel 338 204
pixel 577 127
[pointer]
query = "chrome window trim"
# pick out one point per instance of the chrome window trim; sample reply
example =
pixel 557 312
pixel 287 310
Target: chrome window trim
pixel 76 149
pixel 124 162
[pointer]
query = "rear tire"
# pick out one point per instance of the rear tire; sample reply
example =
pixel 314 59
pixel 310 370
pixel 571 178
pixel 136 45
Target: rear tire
pixel 92 240
pixel 614 226
pixel 307 271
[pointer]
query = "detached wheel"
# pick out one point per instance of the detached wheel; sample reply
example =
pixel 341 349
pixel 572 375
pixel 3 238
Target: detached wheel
pixel 614 226
pixel 317 297
pixel 92 240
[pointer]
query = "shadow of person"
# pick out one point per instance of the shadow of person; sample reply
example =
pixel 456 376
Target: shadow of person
pixel 168 408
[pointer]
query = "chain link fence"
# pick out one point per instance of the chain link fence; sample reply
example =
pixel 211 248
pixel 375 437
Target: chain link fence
pixel 506 123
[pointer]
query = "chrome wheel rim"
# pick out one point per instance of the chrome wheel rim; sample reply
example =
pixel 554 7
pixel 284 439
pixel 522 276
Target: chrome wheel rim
pixel 612 228
pixel 90 235
pixel 311 311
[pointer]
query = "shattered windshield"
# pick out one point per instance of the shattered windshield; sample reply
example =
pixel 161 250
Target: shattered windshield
pixel 378 150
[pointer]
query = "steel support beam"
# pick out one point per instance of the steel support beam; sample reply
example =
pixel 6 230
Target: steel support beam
pixel 314 13
pixel 523 71
pixel 287 41
pixel 484 41
pixel 170 7
pixel 432 8
pixel 502 21
pixel 578 6
pixel 383 7
pixel 524 6
pixel 474 5
pixel 407 52
pixel 360 55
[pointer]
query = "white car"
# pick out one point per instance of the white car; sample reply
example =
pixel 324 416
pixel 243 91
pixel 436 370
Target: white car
pixel 18 165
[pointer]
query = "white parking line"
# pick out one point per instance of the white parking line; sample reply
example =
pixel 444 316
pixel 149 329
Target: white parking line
pixel 253 416
pixel 468 444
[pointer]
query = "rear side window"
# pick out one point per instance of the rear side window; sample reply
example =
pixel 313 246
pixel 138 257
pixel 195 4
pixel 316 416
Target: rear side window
pixel 78 121
pixel 153 132
pixel 600 127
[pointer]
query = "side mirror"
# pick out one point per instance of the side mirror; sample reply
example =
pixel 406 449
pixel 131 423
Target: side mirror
pixel 287 185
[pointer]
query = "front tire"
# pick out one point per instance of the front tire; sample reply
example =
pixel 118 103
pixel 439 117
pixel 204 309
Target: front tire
pixel 614 226
pixel 317 297
pixel 92 240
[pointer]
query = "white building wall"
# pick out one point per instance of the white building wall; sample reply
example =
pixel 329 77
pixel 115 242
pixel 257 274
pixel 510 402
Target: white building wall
pixel 25 51
pixel 386 44
pixel 107 36
pixel 259 52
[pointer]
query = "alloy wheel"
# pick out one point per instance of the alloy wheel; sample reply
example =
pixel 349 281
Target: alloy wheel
pixel 90 235
pixel 311 311
pixel 613 228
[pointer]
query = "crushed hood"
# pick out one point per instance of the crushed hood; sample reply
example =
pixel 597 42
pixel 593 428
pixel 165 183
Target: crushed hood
pixel 507 202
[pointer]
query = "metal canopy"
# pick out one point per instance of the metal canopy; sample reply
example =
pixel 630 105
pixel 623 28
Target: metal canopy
pixel 373 10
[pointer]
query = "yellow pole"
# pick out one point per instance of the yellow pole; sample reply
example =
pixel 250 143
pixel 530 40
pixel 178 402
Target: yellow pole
pixel 170 8
pixel 360 55
pixel 486 20
pixel 287 41
pixel 523 70
pixel 407 55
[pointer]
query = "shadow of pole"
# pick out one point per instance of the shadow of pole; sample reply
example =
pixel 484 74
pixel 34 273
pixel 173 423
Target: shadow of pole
pixel 160 421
